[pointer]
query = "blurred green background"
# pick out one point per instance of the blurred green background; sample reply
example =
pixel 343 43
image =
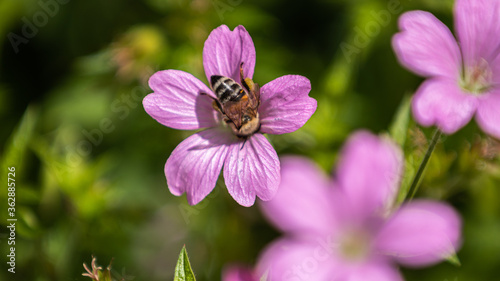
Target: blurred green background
pixel 89 161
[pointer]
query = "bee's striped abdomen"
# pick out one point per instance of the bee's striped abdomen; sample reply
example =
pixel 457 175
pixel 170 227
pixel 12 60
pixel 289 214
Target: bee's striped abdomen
pixel 226 89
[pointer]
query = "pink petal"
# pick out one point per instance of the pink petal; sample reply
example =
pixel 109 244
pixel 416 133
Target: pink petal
pixel 177 101
pixel 369 173
pixel 303 203
pixel 238 273
pixel 477 23
pixel 426 46
pixel 252 170
pixel 441 102
pixel 495 71
pixel 287 260
pixel 285 104
pixel 225 50
pixel 370 271
pixel 488 113
pixel 195 164
pixel 420 233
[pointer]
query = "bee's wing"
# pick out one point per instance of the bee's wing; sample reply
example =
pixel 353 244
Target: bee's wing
pixel 233 111
pixel 253 90
pixel 255 96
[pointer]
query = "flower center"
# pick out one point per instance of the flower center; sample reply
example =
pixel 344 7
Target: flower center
pixel 478 78
pixel 355 245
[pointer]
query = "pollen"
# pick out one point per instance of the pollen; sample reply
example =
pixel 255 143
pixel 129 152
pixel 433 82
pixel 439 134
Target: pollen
pixel 478 78
pixel 355 245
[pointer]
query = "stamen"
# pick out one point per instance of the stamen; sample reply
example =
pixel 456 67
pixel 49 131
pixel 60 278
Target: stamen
pixel 478 79
pixel 355 245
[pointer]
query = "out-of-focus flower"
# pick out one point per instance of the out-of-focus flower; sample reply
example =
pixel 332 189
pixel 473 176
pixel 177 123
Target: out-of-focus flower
pixel 463 78
pixel 136 50
pixel 251 165
pixel 238 273
pixel 347 229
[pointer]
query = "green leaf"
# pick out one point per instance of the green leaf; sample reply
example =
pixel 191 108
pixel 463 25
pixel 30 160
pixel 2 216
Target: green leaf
pixel 411 166
pixel 453 259
pixel 18 142
pixel 183 271
pixel 398 130
pixel 399 126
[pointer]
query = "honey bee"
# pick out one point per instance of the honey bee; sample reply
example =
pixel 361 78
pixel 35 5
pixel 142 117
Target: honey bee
pixel 237 103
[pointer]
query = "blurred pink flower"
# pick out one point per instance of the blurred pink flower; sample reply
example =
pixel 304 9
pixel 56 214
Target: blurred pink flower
pixel 250 170
pixel 345 229
pixel 238 273
pixel 463 78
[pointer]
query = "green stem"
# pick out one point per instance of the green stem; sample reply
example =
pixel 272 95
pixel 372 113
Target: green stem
pixel 421 168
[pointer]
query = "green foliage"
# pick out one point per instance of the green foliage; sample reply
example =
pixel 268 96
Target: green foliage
pixel 183 271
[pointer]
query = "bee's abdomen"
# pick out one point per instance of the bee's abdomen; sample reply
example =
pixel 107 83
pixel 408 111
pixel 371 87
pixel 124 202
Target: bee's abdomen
pixel 226 89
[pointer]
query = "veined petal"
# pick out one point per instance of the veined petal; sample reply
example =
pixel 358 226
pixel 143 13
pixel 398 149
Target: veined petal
pixel 369 172
pixel 289 259
pixel 420 233
pixel 441 102
pixel 177 101
pixel 495 71
pixel 195 164
pixel 477 23
pixel 285 104
pixel 225 50
pixel 253 169
pixel 426 46
pixel 488 113
pixel 303 204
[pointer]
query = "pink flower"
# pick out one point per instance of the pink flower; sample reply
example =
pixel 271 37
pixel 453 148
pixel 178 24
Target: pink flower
pixel 238 273
pixel 463 78
pixel 345 229
pixel 251 165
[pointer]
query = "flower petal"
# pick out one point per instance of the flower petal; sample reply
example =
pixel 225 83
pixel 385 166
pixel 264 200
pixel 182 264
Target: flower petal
pixel 238 273
pixel 420 233
pixel 225 50
pixel 303 204
pixel 195 164
pixel 488 114
pixel 372 270
pixel 285 104
pixel 177 101
pixel 478 24
pixel 253 169
pixel 289 260
pixel 442 103
pixel 426 46
pixel 369 172
pixel 495 71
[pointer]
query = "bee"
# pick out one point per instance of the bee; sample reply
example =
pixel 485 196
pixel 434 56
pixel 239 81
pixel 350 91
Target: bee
pixel 237 103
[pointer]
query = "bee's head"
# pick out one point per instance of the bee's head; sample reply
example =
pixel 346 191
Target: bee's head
pixel 250 124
